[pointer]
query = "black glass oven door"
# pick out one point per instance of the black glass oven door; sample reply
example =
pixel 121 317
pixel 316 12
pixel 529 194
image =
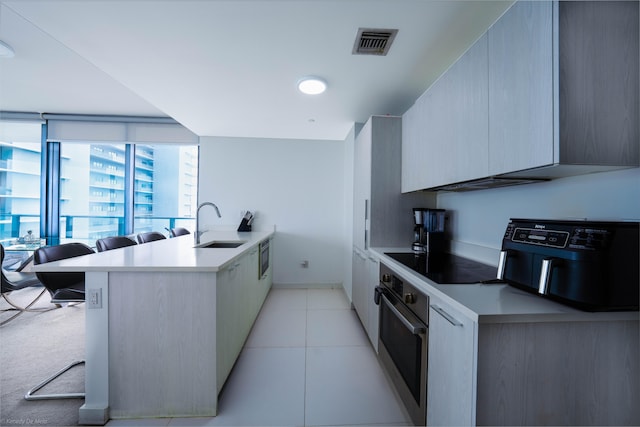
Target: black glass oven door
pixel 404 337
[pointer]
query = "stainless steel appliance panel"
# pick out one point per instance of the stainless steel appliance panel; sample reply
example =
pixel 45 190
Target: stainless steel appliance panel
pixel 403 340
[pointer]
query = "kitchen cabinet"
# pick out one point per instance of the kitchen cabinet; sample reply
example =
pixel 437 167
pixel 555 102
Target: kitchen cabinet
pixel 372 266
pixel 445 133
pixel 382 216
pixel 530 373
pixel 360 285
pixel 521 88
pixel 451 365
pixel 562 98
pixel 366 271
pixel 501 356
pixel 240 295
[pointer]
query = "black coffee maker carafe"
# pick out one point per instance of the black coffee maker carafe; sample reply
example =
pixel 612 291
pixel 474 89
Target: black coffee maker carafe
pixel 428 232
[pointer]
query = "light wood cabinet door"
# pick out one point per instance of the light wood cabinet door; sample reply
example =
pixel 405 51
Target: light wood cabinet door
pixel 446 136
pixel 521 115
pixel 599 99
pixel 359 285
pixel 451 376
pixel 362 186
pixel 227 329
pixel 414 148
pixel 373 277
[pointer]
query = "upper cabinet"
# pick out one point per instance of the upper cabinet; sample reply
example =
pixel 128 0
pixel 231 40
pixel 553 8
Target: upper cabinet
pixel 521 89
pixel 455 107
pixel 550 90
pixel 382 216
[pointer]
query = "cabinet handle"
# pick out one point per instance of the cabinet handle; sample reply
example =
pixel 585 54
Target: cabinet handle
pixel 449 318
pixel 366 229
pixel 359 254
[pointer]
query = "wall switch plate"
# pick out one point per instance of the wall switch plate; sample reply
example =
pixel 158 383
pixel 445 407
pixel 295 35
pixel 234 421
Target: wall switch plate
pixel 94 298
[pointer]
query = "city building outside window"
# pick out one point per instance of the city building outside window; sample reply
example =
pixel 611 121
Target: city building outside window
pixel 92 190
pixel 20 157
pixel 105 188
pixel 165 187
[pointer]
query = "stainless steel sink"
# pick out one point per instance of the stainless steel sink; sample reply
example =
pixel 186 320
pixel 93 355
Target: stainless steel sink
pixel 220 245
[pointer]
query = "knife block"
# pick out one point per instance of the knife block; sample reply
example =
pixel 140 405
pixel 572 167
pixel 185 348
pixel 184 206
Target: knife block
pixel 244 225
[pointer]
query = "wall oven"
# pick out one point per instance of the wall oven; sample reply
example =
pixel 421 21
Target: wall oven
pixel 403 340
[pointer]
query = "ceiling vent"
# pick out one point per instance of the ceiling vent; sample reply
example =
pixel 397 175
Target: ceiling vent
pixel 372 41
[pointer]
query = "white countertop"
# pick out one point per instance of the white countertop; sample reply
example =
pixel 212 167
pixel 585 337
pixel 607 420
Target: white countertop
pixel 496 303
pixel 175 254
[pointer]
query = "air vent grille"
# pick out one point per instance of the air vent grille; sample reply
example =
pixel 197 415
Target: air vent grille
pixel 371 41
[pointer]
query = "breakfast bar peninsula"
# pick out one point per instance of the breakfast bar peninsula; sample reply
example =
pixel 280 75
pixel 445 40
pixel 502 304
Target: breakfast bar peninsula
pixel 166 320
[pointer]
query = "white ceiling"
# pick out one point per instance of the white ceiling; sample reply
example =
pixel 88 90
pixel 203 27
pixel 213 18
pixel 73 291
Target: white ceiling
pixel 230 67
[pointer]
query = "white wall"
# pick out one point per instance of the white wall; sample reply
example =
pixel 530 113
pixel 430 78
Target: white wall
pixel 296 185
pixel 480 217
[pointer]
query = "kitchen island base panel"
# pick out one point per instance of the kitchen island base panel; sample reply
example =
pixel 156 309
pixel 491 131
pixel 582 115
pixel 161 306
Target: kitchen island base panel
pixel 535 373
pixel 162 344
pixel 95 410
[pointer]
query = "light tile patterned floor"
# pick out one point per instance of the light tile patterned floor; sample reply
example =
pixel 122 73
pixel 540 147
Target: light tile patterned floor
pixel 307 362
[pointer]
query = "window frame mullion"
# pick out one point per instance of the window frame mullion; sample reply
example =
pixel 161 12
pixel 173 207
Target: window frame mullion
pixel 129 180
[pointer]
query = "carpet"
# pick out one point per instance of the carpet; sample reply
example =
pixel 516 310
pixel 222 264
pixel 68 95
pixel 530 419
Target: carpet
pixel 34 346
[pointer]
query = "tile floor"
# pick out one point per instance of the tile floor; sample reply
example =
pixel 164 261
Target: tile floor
pixel 307 362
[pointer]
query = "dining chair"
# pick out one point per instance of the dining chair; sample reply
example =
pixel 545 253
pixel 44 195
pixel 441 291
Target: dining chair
pixel 113 242
pixel 150 236
pixel 179 231
pixel 14 281
pixel 64 287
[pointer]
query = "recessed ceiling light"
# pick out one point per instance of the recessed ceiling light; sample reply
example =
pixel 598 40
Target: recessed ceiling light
pixel 312 85
pixel 6 51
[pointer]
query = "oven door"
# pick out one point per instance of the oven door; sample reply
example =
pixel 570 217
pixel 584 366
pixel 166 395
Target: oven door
pixel 403 353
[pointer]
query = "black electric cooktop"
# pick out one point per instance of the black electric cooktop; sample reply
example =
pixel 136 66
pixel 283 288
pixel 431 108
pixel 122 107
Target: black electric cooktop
pixel 446 268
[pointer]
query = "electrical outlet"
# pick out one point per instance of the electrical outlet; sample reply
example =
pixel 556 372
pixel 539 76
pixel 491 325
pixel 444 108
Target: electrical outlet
pixel 95 298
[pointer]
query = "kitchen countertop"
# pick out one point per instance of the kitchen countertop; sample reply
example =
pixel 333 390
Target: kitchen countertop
pixel 174 254
pixel 498 302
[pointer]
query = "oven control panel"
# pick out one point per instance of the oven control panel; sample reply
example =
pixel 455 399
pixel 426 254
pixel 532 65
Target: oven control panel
pixel 405 293
pixel 570 237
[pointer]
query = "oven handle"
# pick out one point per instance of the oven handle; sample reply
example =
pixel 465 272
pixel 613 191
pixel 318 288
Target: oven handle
pixel 416 327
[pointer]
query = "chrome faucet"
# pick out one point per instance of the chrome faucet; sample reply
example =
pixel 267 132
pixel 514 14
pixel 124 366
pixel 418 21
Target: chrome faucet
pixel 198 233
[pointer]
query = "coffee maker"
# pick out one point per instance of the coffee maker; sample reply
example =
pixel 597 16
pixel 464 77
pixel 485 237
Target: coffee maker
pixel 428 232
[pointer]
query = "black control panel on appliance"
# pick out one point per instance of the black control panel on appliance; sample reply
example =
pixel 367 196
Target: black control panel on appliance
pixel 591 265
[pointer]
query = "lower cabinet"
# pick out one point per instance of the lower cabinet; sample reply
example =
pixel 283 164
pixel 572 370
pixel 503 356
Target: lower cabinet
pixel 373 315
pixel 532 371
pixel 359 284
pixel 240 295
pixel 365 270
pixel 451 360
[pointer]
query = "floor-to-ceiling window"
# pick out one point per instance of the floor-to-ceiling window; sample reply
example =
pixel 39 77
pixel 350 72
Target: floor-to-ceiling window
pixel 93 179
pixel 20 158
pixel 92 190
pixel 165 186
